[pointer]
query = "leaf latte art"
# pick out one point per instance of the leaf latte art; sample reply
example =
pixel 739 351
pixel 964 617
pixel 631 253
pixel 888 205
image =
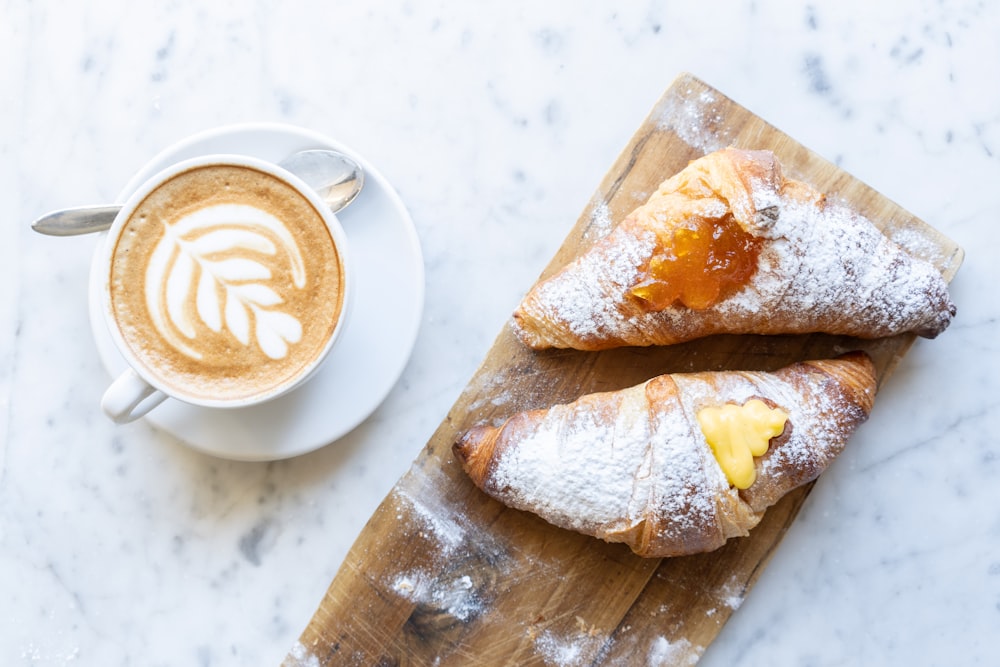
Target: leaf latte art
pixel 225 281
pixel 213 262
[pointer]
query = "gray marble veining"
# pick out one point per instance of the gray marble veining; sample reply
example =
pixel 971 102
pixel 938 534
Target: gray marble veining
pixel 119 545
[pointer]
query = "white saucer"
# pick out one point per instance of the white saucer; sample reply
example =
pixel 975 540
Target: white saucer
pixel 377 339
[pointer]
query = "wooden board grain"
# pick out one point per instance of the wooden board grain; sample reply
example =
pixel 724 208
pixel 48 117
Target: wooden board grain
pixel 443 575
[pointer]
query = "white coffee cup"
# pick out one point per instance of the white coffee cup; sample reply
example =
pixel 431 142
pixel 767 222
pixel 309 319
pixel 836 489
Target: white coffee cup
pixel 225 284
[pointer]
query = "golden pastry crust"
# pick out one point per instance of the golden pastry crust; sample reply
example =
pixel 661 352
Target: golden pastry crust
pixel 633 466
pixel 817 267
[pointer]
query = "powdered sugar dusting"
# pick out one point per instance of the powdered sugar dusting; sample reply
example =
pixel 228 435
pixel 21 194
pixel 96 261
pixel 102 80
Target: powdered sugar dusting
pixel 300 656
pixel 827 260
pixel 697 120
pixel 822 268
pixel 600 221
pixel 632 650
pixel 731 594
pixel 686 479
pixel 453 594
pixel 490 393
pixel 663 652
pixel 422 501
pixel 606 463
pixel 581 471
pixel 821 418
pixel 566 651
pixel 575 469
pixel 444 529
pixel 918 243
pixel 582 305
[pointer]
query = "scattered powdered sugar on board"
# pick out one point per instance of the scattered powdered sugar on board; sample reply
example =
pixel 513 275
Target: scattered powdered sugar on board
pixel 441 521
pixel 459 561
pixel 566 651
pixel 731 594
pixel 601 222
pixel 918 243
pixel 490 391
pixel 636 649
pixel 697 121
pixel 663 652
pixel 455 595
pixel 493 396
pixel 300 656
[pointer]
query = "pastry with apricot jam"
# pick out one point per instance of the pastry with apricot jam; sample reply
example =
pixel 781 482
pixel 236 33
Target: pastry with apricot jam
pixel 729 245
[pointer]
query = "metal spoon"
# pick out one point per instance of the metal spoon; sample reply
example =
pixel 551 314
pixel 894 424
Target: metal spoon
pixel 335 177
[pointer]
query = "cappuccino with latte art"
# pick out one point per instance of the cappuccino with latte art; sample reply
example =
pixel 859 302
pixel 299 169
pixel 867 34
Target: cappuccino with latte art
pixel 226 283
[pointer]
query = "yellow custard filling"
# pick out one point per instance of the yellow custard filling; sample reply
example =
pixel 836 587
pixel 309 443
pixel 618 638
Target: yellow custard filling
pixel 737 433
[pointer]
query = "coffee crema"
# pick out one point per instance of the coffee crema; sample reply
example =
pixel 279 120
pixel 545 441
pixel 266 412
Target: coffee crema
pixel 226 283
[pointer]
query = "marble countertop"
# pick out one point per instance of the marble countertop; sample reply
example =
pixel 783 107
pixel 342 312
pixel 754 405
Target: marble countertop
pixel 495 122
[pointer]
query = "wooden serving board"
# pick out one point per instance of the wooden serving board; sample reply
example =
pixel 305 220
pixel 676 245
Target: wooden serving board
pixel 444 575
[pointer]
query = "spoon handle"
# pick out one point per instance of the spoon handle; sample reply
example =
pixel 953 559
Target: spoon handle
pixel 336 178
pixel 73 221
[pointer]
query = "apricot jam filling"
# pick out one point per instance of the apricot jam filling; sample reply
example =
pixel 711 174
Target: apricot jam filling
pixel 702 262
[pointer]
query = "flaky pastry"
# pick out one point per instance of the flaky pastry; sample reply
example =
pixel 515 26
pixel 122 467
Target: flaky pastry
pixel 729 245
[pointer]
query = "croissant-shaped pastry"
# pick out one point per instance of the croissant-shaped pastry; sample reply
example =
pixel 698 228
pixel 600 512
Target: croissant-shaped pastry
pixel 649 465
pixel 728 245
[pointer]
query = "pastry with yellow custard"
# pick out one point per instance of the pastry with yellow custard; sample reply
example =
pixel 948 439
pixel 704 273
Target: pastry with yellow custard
pixel 729 245
pixel 679 464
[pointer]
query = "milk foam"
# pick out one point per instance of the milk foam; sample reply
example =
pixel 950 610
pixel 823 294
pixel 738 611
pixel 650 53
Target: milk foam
pixel 213 265
pixel 226 283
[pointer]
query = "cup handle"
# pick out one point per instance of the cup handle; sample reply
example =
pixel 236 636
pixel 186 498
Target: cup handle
pixel 130 397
